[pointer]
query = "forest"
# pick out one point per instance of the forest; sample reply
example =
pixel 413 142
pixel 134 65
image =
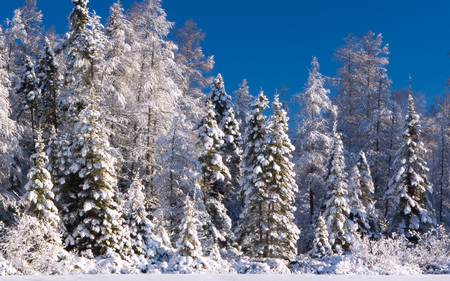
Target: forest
pixel 121 153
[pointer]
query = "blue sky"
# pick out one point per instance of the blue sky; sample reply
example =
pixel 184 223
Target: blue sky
pixel 271 43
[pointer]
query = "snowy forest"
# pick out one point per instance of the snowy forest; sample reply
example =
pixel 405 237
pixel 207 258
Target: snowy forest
pixel 122 153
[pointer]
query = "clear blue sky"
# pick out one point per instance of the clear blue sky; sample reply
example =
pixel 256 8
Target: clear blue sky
pixel 270 43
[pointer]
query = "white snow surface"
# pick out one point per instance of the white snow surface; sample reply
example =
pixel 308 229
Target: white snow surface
pixel 228 277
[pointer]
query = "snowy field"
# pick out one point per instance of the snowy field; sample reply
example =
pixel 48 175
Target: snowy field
pixel 228 277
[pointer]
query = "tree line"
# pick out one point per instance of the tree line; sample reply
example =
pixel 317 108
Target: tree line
pixel 111 145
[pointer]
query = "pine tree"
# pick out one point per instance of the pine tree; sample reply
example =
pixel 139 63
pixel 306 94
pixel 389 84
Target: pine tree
pixel 242 105
pixel 29 92
pixel 281 234
pixel 337 210
pixel 189 244
pixel 143 241
pixel 250 227
pixel 39 193
pixel 321 246
pixel 50 83
pixel 412 211
pixel 214 177
pixel 97 225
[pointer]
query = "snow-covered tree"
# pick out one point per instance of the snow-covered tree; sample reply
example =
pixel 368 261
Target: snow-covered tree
pixel 321 246
pixel 95 222
pixel 280 233
pixel 242 105
pixel 39 194
pixel 313 137
pixel 189 244
pixel 143 240
pixel 29 92
pixel 409 186
pixel 50 83
pixel 154 83
pixel 250 229
pixel 214 177
pixel 191 57
pixel 341 229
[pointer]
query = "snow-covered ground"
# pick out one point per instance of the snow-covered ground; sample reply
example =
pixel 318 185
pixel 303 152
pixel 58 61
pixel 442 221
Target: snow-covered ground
pixel 229 277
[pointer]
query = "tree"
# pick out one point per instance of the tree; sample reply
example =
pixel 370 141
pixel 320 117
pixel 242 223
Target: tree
pixel 96 224
pixel 412 211
pixel 189 245
pixel 191 57
pixel 280 233
pixel 50 83
pixel 250 229
pixel 321 246
pixel 143 240
pixel 39 194
pixel 313 137
pixel 337 210
pixel 242 105
pixel 29 92
pixel 214 177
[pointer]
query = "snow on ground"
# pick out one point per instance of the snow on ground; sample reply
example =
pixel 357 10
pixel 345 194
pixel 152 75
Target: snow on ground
pixel 229 277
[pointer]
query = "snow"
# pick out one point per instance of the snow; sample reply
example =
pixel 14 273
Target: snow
pixel 228 277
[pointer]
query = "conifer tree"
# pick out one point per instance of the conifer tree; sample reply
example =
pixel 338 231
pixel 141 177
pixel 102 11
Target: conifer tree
pixel 342 231
pixel 50 83
pixel 189 244
pixel 242 105
pixel 409 186
pixel 321 246
pixel 28 90
pixel 39 193
pixel 96 223
pixel 214 176
pixel 143 241
pixel 251 224
pixel 281 234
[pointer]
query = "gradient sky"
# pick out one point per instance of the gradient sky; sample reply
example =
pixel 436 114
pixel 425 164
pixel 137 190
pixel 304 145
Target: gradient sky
pixel 271 43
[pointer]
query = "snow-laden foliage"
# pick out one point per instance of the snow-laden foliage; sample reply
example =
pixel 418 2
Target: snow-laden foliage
pixel 96 225
pixel 312 141
pixel 39 188
pixel 341 229
pixel 33 246
pixel 145 244
pixel 243 99
pixel 411 210
pixel 321 246
pixel 362 205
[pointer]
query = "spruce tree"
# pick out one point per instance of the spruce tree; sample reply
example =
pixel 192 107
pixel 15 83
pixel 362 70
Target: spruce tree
pixel 143 241
pixel 39 194
pixel 189 244
pixel 251 224
pixel 341 229
pixel 97 224
pixel 50 83
pixel 409 186
pixel 321 246
pixel 281 234
pixel 214 177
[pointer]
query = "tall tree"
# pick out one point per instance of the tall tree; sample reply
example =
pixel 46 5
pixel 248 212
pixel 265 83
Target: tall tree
pixel 214 177
pixel 313 137
pixel 281 234
pixel 250 229
pixel 242 105
pixel 409 186
pixel 341 229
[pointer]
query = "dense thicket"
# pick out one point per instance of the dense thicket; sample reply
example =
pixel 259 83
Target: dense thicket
pixel 111 139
